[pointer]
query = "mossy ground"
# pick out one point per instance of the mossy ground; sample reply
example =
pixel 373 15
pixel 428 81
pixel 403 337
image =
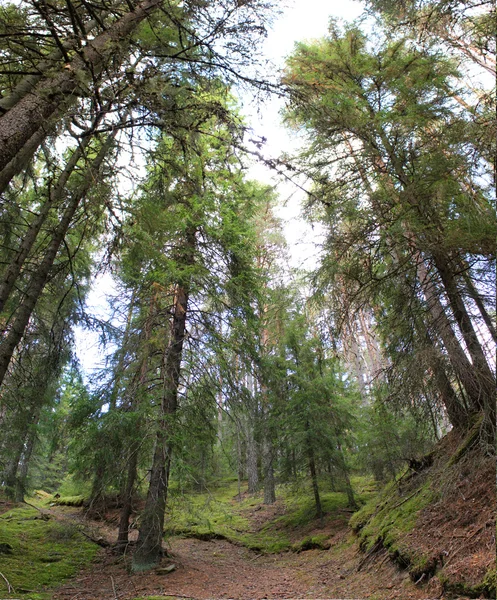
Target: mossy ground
pixel 439 521
pixel 44 553
pixel 221 513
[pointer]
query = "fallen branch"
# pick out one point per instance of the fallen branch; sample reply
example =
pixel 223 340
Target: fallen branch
pixel 10 588
pixel 100 541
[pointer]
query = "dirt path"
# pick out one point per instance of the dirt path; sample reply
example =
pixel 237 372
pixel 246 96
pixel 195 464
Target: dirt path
pixel 219 569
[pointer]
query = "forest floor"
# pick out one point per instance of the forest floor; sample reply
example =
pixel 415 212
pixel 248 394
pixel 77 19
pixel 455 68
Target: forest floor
pixel 440 522
pixel 220 569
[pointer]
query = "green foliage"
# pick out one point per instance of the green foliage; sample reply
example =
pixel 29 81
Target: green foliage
pixel 53 550
pixel 388 438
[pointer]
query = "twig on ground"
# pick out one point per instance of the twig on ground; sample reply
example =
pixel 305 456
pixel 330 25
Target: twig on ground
pixel 113 588
pixel 10 588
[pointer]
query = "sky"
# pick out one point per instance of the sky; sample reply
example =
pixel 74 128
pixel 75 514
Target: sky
pixel 300 20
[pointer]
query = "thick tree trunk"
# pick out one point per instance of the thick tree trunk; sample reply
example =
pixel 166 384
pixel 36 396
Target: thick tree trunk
pixel 27 84
pixel 46 98
pixel 40 277
pixel 149 547
pixel 463 320
pixel 442 327
pixel 22 159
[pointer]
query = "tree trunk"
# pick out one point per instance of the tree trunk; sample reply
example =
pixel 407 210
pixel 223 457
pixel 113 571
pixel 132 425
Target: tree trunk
pixel 127 497
pixel 252 470
pixel 312 470
pixel 46 98
pixel 149 547
pixel 442 327
pixel 25 460
pixel 40 277
pixel 486 377
pixel 55 196
pixel 28 82
pixel 268 469
pixel 474 295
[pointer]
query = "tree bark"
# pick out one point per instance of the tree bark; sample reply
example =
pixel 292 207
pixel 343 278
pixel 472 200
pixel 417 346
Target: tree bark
pixel 55 196
pixel 312 470
pixel 268 469
pixel 40 277
pixel 45 100
pixel 149 546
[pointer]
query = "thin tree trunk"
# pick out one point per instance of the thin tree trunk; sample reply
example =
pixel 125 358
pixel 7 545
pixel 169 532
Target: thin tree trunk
pixel 127 497
pixel 55 196
pixel 312 470
pixel 345 473
pixel 132 473
pixel 474 295
pixel 252 471
pixel 26 458
pixel 40 277
pixel 268 468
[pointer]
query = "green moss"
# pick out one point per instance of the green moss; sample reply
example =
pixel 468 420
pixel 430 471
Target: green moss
pixel 486 589
pixel 53 550
pixel 70 501
pixel 220 514
pixel 389 516
pixel 315 542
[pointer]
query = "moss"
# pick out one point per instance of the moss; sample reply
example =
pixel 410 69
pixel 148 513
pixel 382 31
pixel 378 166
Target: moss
pixel 486 589
pixel 470 440
pixel 220 514
pixel 315 542
pixel 388 517
pixel 53 550
pixel 70 501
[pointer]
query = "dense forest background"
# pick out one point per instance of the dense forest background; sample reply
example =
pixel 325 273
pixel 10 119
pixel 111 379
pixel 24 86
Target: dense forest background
pixel 123 151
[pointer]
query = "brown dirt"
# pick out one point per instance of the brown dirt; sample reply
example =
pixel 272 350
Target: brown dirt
pixel 458 532
pixel 220 569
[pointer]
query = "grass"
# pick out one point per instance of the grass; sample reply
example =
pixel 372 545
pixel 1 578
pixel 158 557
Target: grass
pixel 43 553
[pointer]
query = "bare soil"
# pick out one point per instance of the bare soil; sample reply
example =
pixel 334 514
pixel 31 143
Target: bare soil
pixel 220 569
pixel 458 531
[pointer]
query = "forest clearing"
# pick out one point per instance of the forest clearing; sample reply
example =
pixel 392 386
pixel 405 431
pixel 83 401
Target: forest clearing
pixel 247 299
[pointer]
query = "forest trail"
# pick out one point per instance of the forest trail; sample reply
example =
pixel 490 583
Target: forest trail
pixel 220 569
